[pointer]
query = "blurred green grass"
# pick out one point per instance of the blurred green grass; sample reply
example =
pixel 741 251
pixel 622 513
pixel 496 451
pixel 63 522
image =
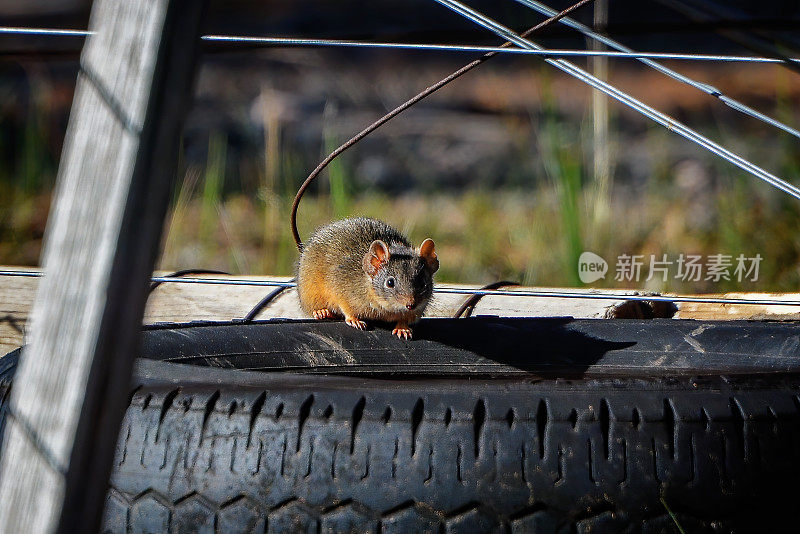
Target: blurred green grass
pixel 533 232
pixel 532 229
pixel 533 236
pixel 484 237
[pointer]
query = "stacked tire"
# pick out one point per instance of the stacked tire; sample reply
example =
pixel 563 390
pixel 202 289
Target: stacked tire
pixel 359 439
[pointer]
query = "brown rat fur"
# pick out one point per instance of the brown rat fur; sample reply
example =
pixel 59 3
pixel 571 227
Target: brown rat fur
pixel 363 268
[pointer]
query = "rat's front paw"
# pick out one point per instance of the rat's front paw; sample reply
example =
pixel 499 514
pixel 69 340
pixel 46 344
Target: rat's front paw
pixel 324 313
pixel 356 323
pixel 402 331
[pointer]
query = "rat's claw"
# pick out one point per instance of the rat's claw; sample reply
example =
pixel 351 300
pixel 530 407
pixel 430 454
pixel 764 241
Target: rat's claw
pixel 323 313
pixel 356 323
pixel 402 332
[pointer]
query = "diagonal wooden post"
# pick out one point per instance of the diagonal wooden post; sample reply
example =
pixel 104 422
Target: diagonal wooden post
pixel 102 237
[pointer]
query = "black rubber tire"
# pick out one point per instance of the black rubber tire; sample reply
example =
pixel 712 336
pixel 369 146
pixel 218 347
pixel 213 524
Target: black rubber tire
pixel 204 449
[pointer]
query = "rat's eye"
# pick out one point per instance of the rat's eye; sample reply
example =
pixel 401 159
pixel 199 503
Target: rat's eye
pixel 390 282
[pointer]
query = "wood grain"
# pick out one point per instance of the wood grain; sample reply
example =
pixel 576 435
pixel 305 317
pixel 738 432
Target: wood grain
pixel 178 303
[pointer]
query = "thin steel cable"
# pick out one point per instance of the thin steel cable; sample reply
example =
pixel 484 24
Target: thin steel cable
pixel 182 273
pixel 15 30
pixel 399 109
pixel 292 41
pixel 611 295
pixel 657 116
pixel 529 293
pixel 31 274
pixel 704 87
pixel 785 40
pixel 742 38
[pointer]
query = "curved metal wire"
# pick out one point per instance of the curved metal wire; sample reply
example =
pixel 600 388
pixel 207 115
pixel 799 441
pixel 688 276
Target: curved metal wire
pixel 649 112
pixel 399 109
pixel 646 59
pixel 468 306
pixel 263 303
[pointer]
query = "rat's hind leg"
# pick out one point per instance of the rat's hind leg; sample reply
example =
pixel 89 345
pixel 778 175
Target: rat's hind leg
pixel 323 313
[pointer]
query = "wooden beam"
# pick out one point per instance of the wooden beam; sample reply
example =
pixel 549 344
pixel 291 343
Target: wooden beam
pixel 178 303
pixel 16 301
pixel 113 186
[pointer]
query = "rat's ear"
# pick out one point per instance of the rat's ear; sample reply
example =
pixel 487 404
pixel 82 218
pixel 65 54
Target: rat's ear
pixel 426 250
pixel 377 257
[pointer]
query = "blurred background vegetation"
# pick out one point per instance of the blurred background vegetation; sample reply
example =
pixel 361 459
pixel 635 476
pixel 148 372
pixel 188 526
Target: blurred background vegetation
pixel 498 167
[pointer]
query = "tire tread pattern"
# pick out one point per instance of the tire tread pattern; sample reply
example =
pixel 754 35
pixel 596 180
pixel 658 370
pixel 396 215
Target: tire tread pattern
pixel 511 456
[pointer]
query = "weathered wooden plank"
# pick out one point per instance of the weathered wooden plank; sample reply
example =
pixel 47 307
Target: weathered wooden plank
pixel 16 300
pixel 775 312
pixel 177 302
pixel 113 186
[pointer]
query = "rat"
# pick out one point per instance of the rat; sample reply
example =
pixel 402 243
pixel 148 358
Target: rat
pixel 362 268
